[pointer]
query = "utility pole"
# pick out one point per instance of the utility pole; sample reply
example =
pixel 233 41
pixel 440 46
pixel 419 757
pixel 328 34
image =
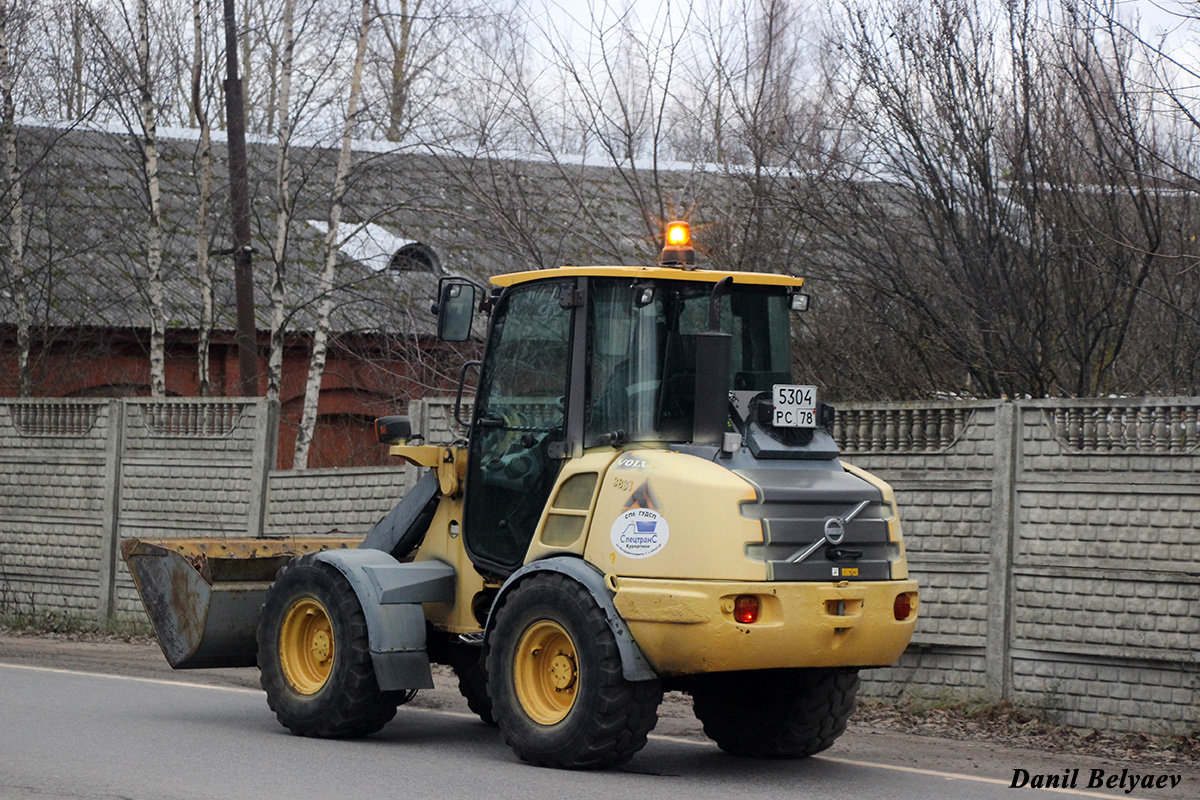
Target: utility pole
pixel 246 338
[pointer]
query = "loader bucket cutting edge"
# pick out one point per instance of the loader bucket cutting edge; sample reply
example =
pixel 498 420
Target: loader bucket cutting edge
pixel 204 596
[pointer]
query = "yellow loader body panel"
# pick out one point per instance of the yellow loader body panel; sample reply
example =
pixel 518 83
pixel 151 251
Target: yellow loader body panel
pixel 697 531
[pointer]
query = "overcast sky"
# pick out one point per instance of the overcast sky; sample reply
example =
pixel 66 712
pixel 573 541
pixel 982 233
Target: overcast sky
pixel 1157 15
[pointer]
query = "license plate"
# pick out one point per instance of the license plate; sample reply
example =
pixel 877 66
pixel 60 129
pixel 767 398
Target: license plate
pixel 795 406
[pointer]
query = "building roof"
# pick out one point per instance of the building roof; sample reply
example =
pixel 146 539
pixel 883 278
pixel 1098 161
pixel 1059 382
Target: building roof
pixel 408 219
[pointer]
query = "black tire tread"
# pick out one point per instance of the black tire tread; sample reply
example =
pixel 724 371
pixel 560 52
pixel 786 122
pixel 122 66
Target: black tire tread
pixel 473 686
pixel 357 707
pixel 791 713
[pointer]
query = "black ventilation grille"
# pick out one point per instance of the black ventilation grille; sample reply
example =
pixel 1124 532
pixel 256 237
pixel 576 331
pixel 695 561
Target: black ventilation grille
pixel 796 506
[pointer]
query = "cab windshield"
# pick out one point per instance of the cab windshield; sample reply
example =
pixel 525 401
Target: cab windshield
pixel 642 343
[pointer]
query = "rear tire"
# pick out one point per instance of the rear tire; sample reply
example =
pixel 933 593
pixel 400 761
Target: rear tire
pixel 784 713
pixel 473 685
pixel 555 679
pixel 314 656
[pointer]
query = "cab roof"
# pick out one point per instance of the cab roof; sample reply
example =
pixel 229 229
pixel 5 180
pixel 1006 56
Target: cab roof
pixel 651 273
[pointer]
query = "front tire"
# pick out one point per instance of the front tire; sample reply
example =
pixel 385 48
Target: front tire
pixel 782 713
pixel 555 679
pixel 314 656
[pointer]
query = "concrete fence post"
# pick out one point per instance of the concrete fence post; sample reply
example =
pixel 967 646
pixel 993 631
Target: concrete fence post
pixel 262 461
pixel 1000 552
pixel 110 513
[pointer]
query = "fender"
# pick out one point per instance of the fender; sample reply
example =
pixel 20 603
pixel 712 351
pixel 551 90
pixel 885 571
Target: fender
pixel 391 593
pixel 634 665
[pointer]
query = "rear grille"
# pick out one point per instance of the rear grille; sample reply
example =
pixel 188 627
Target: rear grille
pixel 796 507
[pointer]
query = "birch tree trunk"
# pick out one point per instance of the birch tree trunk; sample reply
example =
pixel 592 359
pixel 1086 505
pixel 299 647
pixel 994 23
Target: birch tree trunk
pixel 403 73
pixel 316 366
pixel 16 230
pixel 247 48
pixel 158 381
pixel 272 66
pixel 283 220
pixel 75 97
pixel 204 335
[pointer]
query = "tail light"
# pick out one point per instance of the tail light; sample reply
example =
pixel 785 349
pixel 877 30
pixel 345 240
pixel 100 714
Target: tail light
pixel 746 609
pixel 902 608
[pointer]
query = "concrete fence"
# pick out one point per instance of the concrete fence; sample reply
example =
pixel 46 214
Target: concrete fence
pixel 1057 542
pixel 77 476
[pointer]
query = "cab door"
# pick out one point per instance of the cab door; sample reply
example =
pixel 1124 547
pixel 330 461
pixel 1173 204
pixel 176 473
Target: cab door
pixel 519 423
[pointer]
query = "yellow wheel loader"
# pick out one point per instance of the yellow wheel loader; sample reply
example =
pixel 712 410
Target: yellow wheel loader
pixel 645 502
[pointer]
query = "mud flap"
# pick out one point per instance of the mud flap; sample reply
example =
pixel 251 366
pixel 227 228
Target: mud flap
pixel 391 594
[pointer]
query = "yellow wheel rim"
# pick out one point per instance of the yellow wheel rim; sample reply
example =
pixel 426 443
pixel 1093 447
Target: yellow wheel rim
pixel 306 646
pixel 546 672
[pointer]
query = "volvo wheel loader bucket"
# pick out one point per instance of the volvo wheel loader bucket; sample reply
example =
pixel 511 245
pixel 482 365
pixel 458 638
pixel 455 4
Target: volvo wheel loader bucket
pixel 204 596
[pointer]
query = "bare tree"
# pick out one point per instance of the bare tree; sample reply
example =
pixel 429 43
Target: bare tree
pixel 1000 205
pixel 203 273
pixel 569 154
pixel 413 40
pixel 1166 335
pixel 66 32
pixel 988 199
pixel 283 205
pixel 622 102
pixel 154 245
pixel 316 369
pixel 756 94
pixel 129 84
pixel 14 260
pixel 1110 218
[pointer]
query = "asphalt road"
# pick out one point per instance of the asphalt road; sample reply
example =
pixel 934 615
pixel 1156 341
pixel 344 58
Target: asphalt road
pixel 67 733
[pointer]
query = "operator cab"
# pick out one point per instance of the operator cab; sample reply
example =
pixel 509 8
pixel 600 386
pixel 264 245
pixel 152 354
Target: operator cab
pixel 586 357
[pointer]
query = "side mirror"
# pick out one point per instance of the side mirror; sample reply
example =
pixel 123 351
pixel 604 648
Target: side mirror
pixel 455 310
pixel 393 430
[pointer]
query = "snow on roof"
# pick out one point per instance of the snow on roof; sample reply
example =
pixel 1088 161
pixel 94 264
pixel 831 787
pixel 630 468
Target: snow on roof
pixel 367 243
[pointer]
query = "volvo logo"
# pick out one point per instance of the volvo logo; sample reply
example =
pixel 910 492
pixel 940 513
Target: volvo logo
pixel 835 532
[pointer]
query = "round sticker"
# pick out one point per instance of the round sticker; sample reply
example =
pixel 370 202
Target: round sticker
pixel 640 533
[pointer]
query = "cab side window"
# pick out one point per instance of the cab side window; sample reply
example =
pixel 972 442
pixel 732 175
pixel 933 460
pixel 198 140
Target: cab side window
pixel 519 413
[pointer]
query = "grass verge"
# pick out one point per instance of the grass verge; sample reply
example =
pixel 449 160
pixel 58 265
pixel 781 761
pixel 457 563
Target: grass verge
pixel 56 624
pixel 982 718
